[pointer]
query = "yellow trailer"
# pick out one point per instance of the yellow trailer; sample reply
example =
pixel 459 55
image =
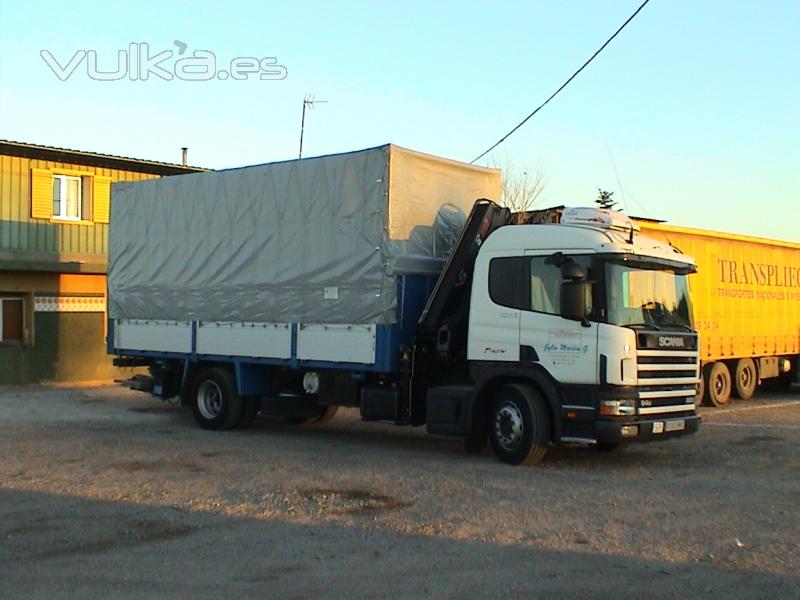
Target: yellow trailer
pixel 746 307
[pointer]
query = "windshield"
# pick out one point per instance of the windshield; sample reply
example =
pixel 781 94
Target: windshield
pixel 656 299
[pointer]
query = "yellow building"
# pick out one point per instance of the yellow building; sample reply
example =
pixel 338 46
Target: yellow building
pixel 54 214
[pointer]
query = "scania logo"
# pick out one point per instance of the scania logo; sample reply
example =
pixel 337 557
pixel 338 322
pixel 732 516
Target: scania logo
pixel 670 342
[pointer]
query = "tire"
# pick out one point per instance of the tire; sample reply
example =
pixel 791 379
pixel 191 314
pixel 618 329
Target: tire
pixel 519 425
pixel 216 404
pixel 745 379
pixel 718 384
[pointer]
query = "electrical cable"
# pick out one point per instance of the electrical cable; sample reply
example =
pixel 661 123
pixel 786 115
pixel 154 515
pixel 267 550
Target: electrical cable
pixel 563 85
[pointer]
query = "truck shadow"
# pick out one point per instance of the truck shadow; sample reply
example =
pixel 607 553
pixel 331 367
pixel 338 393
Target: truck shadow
pixel 97 548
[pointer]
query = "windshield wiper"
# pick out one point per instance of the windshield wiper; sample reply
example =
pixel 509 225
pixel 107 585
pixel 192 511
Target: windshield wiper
pixel 644 325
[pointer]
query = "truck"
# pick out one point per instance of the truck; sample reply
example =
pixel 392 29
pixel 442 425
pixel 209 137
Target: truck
pixel 746 307
pixel 388 281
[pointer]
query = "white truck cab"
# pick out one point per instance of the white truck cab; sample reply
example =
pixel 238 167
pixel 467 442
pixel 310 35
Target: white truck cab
pixel 599 314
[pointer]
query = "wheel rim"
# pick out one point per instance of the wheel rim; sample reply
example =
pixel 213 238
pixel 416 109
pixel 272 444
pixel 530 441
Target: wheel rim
pixel 747 377
pixel 209 399
pixel 508 426
pixel 720 384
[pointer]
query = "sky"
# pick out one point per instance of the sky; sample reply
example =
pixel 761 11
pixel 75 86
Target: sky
pixel 691 115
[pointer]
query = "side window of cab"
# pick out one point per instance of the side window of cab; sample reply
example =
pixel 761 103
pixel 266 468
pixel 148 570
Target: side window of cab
pixel 531 283
pixel 507 282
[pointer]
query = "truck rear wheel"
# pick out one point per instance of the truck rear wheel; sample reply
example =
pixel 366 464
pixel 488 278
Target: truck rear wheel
pixel 746 378
pixel 718 384
pixel 519 425
pixel 215 402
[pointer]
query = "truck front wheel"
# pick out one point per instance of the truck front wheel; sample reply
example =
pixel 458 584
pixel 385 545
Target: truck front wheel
pixel 519 425
pixel 215 402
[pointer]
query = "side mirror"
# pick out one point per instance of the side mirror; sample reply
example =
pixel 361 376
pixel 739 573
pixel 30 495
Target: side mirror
pixel 573 300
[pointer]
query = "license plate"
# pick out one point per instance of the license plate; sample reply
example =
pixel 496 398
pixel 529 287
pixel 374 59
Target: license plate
pixel 677 425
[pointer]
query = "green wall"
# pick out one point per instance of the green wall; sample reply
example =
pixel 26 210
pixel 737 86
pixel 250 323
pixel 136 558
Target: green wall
pixel 67 347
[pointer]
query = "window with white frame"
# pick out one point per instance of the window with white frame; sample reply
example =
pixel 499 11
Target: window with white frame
pixel 12 320
pixel 67 197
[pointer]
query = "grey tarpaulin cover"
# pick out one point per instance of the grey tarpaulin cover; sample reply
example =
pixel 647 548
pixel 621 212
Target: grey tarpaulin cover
pixel 317 240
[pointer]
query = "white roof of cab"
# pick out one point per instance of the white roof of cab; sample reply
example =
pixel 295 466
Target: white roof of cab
pixel 575 238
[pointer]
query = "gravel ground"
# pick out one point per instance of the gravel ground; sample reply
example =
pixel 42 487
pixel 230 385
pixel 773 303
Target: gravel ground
pixel 107 493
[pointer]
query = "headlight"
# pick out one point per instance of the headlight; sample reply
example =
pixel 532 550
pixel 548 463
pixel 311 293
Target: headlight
pixel 615 408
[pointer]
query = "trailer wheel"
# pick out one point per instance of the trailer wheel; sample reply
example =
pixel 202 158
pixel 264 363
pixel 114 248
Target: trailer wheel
pixel 746 378
pixel 718 384
pixel 215 402
pixel 519 425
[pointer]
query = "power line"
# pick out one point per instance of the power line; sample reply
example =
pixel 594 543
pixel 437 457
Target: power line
pixel 616 174
pixel 563 85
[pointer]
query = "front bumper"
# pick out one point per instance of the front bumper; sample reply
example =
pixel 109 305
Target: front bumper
pixel 648 430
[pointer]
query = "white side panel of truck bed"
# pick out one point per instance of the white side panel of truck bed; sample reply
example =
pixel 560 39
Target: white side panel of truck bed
pixel 154 336
pixel 260 340
pixel 337 343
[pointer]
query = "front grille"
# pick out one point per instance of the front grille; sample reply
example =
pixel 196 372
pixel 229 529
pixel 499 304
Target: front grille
pixel 664 359
pixel 665 374
pixel 667 379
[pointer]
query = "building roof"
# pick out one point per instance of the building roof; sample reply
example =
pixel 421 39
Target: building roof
pixel 94 159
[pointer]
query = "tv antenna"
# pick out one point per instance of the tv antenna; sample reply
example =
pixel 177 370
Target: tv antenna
pixel 308 102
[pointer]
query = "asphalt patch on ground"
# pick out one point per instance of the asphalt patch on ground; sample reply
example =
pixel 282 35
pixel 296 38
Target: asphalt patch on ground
pixel 350 501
